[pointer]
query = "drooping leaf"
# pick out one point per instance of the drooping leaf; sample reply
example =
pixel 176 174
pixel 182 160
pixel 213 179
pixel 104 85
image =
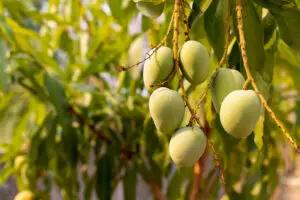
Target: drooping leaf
pixel 215 25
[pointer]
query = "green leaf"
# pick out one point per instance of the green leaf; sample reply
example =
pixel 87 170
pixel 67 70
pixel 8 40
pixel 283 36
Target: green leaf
pixel 215 25
pixel 105 176
pixel 286 58
pixel 288 22
pixel 198 8
pixel 3 65
pixel 116 8
pixel 5 173
pixel 269 24
pixel 56 94
pixel 130 183
pixel 176 183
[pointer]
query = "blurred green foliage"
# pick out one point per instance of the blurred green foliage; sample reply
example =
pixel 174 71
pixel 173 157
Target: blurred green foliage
pixel 67 109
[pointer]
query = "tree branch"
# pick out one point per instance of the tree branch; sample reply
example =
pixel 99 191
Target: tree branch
pixel 239 10
pixel 157 191
pixel 125 154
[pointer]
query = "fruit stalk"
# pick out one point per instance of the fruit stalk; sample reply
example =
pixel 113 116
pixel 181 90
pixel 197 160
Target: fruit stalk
pixel 239 10
pixel 177 68
pixel 185 21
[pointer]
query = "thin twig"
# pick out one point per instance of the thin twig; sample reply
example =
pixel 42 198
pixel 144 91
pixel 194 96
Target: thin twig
pixel 209 186
pixel 247 82
pixel 239 10
pixel 162 42
pixel 185 21
pixel 157 191
pixel 125 154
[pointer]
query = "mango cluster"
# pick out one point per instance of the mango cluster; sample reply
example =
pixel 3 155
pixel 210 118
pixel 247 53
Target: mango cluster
pixel 239 109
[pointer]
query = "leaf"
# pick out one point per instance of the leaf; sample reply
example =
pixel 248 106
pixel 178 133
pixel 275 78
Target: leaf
pixel 259 131
pixel 254 38
pixel 129 183
pixel 269 24
pixel 104 176
pixel 56 94
pixel 175 185
pixel 287 15
pixel 3 64
pixel 116 8
pixel 288 59
pixel 215 25
pixel 5 173
pixel 198 8
pixel 288 22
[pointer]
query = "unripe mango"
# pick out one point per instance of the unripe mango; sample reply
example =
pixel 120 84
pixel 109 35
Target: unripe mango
pixel 194 61
pixel 239 113
pixel 187 145
pixel 226 81
pixel 135 54
pixel 166 109
pixel 150 9
pixel 19 162
pixel 158 67
pixel 24 195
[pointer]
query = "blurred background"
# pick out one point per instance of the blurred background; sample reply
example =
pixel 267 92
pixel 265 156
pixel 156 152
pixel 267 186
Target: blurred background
pixel 73 127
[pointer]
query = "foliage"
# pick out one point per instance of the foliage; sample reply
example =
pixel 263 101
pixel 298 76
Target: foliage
pixel 65 106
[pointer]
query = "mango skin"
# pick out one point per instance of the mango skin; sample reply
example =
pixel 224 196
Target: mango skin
pixel 240 112
pixel 24 195
pixel 150 9
pixel 187 145
pixel 226 81
pixel 19 162
pixel 135 55
pixel 158 67
pixel 166 109
pixel 194 61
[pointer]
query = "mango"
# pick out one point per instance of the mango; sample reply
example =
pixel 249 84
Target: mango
pixel 194 62
pixel 226 81
pixel 19 162
pixel 166 109
pixel 187 145
pixel 135 55
pixel 239 113
pixel 158 67
pixel 24 195
pixel 150 9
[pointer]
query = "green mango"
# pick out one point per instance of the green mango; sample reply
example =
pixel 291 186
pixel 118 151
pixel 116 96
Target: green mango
pixel 226 81
pixel 166 109
pixel 24 195
pixel 187 145
pixel 150 9
pixel 19 162
pixel 194 61
pixel 135 55
pixel 158 67
pixel 239 113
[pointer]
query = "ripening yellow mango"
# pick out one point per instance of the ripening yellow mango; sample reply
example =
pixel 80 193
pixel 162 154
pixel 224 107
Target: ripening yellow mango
pixel 24 195
pixel 194 61
pixel 166 109
pixel 226 81
pixel 19 162
pixel 187 145
pixel 135 54
pixel 158 67
pixel 150 9
pixel 239 113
